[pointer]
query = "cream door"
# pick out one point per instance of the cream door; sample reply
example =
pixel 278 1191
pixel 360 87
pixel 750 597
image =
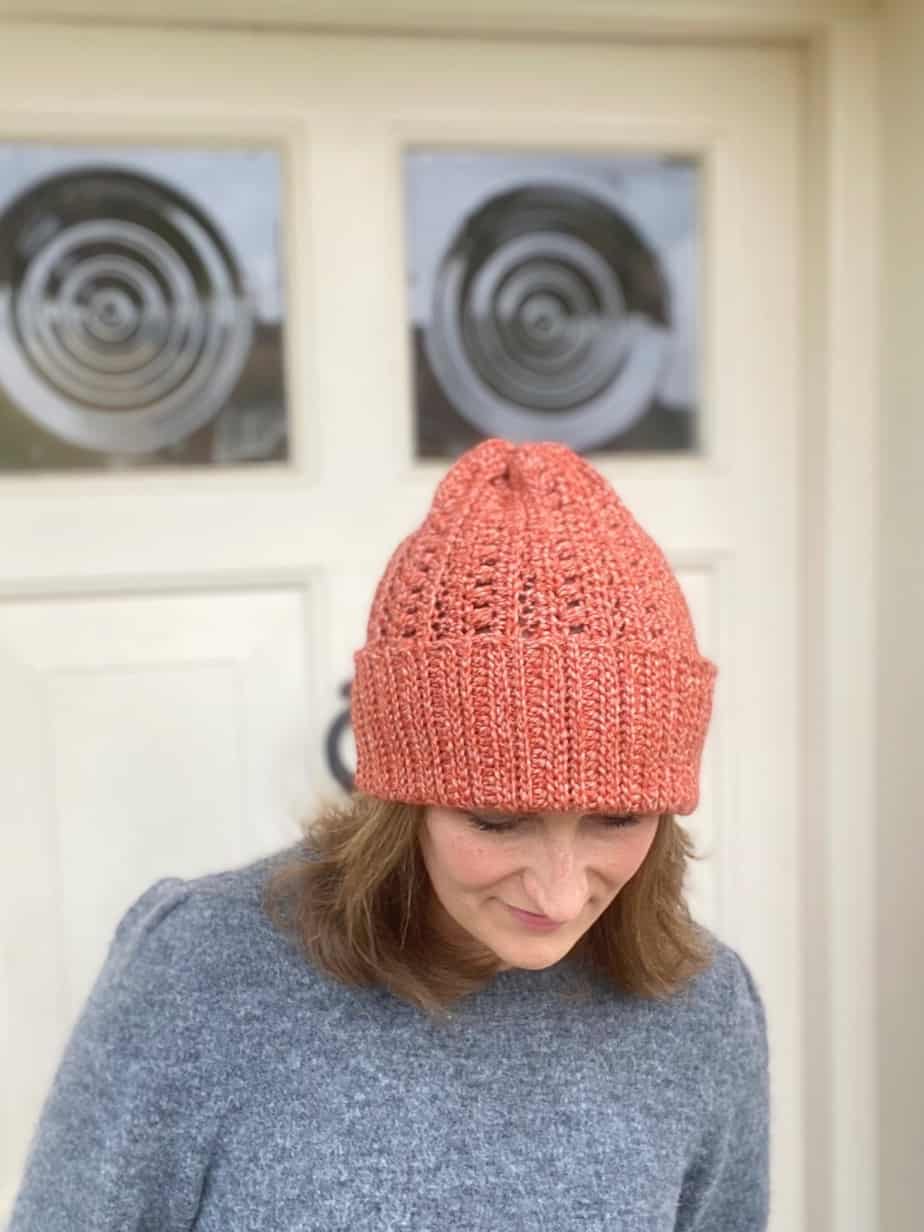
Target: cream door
pixel 174 644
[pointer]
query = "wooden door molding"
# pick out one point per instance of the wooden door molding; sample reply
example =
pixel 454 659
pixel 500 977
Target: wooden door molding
pixel 522 18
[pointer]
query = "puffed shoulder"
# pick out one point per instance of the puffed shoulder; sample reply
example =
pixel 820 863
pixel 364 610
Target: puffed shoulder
pixel 727 1181
pixel 737 988
pixel 144 1082
pixel 211 931
pixel 149 910
pixel 746 1038
pixel 727 998
pixel 726 981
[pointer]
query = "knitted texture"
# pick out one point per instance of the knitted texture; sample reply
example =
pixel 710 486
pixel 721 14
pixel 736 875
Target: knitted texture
pixel 217 1081
pixel 529 649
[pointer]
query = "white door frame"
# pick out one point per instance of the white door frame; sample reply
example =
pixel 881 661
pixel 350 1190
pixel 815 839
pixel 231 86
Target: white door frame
pixel 840 42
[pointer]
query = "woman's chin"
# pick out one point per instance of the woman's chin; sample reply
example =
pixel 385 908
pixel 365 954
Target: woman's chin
pixel 529 957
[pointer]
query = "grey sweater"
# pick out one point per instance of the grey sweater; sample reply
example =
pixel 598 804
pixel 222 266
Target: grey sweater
pixel 216 1081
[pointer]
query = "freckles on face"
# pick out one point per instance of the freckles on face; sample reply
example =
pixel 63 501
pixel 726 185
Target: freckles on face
pixel 564 868
pixel 457 851
pixel 474 861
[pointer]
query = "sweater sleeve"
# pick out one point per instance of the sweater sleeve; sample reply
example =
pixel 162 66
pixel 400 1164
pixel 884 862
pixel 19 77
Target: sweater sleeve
pixel 726 1187
pixel 123 1140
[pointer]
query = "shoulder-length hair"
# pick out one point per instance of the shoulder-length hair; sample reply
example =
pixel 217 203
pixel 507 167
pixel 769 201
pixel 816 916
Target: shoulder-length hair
pixel 356 897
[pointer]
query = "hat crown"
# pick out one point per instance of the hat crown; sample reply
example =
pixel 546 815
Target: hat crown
pixel 529 542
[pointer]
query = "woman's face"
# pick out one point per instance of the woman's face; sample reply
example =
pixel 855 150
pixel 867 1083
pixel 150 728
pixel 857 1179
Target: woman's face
pixel 527 887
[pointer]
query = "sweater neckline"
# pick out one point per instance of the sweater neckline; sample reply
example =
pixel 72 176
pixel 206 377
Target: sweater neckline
pixel 517 989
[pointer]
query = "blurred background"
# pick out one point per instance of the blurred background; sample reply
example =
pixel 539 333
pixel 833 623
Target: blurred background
pixel 267 270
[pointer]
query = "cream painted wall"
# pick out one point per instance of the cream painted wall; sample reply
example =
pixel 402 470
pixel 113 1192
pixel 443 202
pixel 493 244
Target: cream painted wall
pixel 901 692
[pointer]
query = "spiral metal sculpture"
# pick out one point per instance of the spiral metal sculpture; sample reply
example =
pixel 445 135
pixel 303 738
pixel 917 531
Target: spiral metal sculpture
pixel 124 321
pixel 549 317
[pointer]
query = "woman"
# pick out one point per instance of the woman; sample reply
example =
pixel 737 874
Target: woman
pixel 473 998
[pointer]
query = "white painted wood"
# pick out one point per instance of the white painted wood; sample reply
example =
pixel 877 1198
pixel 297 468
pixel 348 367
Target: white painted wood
pixel 842 567
pixel 340 110
pixel 900 834
pixel 519 17
pixel 144 736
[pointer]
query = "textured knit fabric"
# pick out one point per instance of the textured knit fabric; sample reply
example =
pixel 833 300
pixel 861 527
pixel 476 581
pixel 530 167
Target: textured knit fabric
pixel 529 648
pixel 216 1081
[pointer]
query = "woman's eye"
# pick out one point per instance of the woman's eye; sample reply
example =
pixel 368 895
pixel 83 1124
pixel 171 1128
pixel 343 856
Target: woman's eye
pixel 615 821
pixel 492 827
pixel 618 820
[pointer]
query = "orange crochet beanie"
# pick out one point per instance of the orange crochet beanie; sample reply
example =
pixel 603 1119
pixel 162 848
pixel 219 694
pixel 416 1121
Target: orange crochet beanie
pixel 529 649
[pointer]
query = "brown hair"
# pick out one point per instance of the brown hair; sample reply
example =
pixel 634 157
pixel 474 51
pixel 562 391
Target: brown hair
pixel 357 900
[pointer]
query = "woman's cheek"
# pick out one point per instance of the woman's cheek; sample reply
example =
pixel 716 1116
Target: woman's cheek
pixel 479 863
pixel 638 850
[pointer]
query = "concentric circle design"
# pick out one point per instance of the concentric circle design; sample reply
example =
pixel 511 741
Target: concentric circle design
pixel 124 320
pixel 549 317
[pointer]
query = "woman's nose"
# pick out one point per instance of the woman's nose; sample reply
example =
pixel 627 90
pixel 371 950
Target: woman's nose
pixel 556 881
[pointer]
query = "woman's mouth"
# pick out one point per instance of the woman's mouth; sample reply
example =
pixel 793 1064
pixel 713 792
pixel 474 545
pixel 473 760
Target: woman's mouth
pixel 539 923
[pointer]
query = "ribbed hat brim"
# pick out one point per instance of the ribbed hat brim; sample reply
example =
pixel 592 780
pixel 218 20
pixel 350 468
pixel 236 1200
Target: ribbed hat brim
pixel 537 726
